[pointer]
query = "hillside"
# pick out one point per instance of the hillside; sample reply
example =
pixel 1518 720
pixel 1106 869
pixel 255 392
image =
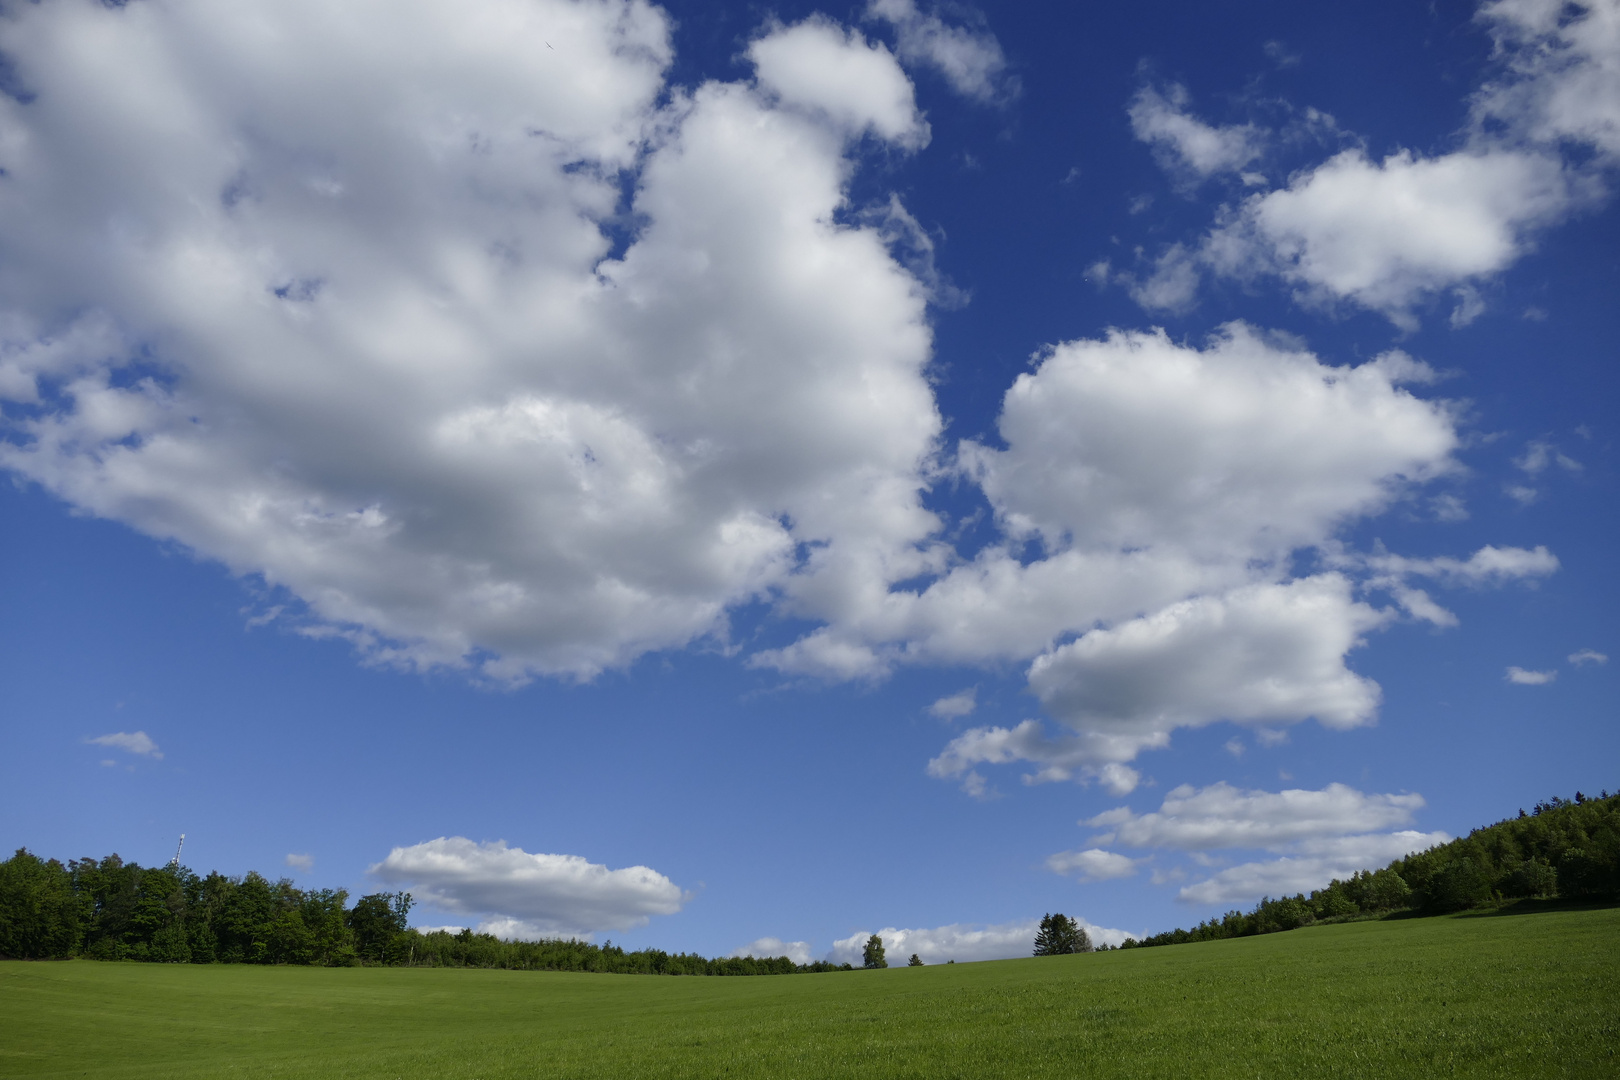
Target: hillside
pixel 1497 995
pixel 1568 849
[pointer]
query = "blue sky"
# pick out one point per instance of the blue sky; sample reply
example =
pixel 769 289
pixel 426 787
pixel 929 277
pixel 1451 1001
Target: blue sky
pixel 740 478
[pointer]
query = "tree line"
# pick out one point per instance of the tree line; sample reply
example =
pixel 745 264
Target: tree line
pixel 1564 848
pixel 109 909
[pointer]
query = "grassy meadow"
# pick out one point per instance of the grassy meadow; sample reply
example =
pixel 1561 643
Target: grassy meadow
pixel 1510 994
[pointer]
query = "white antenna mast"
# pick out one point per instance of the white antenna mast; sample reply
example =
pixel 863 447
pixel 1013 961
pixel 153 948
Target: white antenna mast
pixel 176 860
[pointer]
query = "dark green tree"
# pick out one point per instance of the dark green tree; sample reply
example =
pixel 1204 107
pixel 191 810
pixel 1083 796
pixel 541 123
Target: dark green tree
pixel 377 920
pixel 1461 883
pixel 915 961
pixel 40 917
pixel 872 955
pixel 1060 935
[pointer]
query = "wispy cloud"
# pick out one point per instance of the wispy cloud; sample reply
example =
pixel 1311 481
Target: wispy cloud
pixel 131 742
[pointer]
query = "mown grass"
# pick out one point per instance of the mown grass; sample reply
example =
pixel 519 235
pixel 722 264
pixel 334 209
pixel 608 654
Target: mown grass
pixel 1533 995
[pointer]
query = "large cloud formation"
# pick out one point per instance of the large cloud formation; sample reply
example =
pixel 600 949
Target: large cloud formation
pixel 465 328
pixel 345 309
pixel 528 896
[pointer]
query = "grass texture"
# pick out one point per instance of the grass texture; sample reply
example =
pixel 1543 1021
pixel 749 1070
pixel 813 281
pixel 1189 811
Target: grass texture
pixel 1532 995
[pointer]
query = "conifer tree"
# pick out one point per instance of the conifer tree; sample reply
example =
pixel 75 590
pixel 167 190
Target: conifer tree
pixel 1060 935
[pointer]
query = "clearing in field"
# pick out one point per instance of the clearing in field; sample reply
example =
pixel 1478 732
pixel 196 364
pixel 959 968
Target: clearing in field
pixel 1531 995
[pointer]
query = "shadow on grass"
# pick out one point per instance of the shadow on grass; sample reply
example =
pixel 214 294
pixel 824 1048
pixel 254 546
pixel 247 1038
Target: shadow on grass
pixel 1539 906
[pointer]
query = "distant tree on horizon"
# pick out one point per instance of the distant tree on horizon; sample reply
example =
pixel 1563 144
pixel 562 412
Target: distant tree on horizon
pixel 1060 935
pixel 915 961
pixel 872 955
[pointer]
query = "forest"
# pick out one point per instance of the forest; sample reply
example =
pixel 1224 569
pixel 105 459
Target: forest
pixel 1565 848
pixel 108 909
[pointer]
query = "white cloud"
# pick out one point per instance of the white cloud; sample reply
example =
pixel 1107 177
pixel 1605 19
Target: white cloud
pixel 349 320
pixel 1222 816
pixel 970 59
pixel 1522 677
pixel 1246 448
pixel 302 863
pixel 1261 654
pixel 768 948
pixel 955 706
pixel 528 895
pixel 1184 143
pixel 1386 234
pixel 1489 565
pixel 1389 234
pixel 1149 471
pixel 1295 874
pixel 1562 72
pixel 1092 864
pixel 357 312
pixel 131 742
pixel 820 65
pixel 1091 756
pixel 1587 656
pixel 509 929
pixel 962 942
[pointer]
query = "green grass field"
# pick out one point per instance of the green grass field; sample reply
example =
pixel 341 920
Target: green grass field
pixel 1533 995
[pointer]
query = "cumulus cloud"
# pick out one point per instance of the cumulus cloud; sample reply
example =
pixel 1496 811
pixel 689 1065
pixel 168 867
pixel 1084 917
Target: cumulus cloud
pixel 1385 234
pixel 1223 816
pixel 1092 864
pixel 1389 233
pixel 343 308
pixel 822 66
pixel 1165 478
pixel 302 863
pixel 1263 654
pixel 970 58
pixel 1587 656
pixel 1248 447
pixel 1524 677
pixel 1561 77
pixel 1149 471
pixel 767 948
pixel 962 942
pixel 520 360
pixel 1322 862
pixel 1185 144
pixel 131 742
pixel 528 895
